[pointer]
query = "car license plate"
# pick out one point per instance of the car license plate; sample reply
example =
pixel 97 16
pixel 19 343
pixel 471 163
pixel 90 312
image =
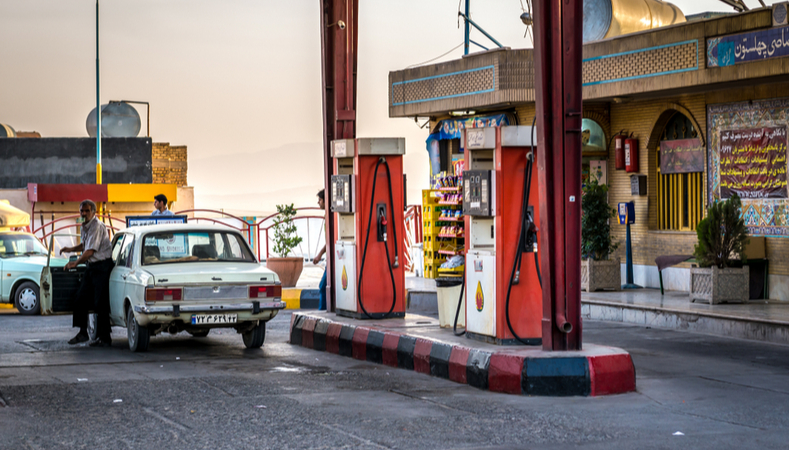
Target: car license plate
pixel 205 319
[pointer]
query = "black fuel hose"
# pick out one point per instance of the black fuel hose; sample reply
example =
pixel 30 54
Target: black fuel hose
pixel 458 308
pixel 386 248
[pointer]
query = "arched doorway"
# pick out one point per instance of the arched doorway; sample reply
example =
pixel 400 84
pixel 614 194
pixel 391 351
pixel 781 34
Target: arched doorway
pixel 680 189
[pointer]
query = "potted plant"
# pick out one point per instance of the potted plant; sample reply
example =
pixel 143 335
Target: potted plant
pixel 598 271
pixel 721 236
pixel 285 240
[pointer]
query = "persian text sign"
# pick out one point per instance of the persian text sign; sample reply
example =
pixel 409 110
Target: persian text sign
pixel 753 163
pixel 745 47
pixel 682 156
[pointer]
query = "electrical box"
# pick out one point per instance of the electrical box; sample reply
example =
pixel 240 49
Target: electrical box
pixel 342 193
pixel 479 193
pixel 638 184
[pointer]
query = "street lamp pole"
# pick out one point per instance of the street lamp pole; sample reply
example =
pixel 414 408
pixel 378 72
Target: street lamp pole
pixel 98 103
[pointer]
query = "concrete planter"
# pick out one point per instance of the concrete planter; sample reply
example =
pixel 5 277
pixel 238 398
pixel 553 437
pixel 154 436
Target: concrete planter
pixel 715 285
pixel 601 275
pixel 288 269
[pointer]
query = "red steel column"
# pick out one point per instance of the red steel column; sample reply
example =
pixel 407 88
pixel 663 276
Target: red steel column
pixel 558 100
pixel 339 80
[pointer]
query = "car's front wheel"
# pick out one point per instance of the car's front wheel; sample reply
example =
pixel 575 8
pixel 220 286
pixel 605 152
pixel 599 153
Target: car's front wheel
pixel 27 299
pixel 139 337
pixel 254 338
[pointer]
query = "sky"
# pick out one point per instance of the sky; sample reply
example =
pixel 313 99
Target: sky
pixel 236 81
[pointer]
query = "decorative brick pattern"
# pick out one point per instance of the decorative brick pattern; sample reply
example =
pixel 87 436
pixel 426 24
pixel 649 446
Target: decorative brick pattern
pixel 640 63
pixel 442 86
pixel 169 164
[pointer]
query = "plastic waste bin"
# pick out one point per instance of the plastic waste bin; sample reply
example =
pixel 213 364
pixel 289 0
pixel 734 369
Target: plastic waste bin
pixel 448 289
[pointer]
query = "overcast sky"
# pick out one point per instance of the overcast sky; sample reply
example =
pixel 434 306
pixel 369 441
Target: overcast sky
pixel 231 76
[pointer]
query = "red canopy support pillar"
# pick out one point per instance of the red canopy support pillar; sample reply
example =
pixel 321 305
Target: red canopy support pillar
pixel 339 80
pixel 558 98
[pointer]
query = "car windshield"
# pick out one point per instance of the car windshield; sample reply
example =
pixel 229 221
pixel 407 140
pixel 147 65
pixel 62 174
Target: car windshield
pixel 13 245
pixel 194 246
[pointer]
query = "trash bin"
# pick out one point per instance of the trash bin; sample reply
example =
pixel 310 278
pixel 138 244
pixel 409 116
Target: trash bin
pixel 448 289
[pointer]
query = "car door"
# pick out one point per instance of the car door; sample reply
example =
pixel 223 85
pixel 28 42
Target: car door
pixel 120 255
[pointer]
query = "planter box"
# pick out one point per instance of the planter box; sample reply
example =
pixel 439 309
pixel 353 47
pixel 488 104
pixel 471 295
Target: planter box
pixel 288 269
pixel 601 275
pixel 716 285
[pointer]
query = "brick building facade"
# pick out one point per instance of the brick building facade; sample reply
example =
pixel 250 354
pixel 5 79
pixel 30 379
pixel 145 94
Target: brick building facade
pixel 643 83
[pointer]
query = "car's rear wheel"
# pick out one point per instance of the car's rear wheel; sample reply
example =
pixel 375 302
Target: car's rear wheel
pixel 198 333
pixel 27 299
pixel 139 337
pixel 254 338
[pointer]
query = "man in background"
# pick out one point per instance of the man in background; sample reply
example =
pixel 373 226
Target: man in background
pixel 317 259
pixel 160 203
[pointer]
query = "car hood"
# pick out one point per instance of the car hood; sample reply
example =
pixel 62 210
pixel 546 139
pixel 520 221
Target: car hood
pixel 210 273
pixel 32 261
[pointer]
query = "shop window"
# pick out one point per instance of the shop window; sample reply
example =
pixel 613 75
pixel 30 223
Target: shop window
pixel 594 152
pixel 680 195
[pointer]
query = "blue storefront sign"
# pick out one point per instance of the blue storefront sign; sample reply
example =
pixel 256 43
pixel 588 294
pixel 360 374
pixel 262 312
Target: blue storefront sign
pixel 745 47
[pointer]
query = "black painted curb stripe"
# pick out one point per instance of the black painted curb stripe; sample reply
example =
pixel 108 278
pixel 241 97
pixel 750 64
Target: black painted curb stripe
pixel 440 360
pixel 477 368
pixel 374 346
pixel 319 335
pixel 296 331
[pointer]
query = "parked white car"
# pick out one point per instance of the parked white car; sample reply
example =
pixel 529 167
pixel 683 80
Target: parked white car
pixel 177 278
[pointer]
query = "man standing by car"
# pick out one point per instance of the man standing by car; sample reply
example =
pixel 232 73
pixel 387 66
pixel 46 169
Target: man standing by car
pixel 317 259
pixel 160 203
pixel 94 290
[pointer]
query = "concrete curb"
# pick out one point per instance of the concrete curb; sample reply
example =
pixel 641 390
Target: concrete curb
pixel 601 371
pixel 296 298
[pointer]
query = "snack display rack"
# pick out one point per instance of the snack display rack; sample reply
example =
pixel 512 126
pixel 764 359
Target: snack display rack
pixel 443 225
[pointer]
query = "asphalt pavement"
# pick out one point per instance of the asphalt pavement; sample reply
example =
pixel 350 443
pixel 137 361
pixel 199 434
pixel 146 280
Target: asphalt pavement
pixel 693 391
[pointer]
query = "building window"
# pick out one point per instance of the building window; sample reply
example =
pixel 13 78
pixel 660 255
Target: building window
pixel 680 195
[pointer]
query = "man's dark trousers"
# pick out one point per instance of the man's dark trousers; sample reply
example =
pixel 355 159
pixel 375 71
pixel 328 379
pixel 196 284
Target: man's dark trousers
pixel 94 293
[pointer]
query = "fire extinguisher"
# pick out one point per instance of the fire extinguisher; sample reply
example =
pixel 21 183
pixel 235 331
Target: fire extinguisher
pixel 619 152
pixel 631 147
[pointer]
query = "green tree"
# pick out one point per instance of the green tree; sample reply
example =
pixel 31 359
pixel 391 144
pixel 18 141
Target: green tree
pixel 597 241
pixel 285 238
pixel 721 235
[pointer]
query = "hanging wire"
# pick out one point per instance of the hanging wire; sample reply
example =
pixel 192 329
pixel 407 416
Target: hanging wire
pixel 440 56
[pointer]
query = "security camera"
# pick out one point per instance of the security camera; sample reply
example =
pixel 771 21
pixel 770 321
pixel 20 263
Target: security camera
pixel 341 24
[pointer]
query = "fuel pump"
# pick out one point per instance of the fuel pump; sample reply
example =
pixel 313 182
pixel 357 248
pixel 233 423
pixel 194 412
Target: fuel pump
pixel 500 197
pixel 367 202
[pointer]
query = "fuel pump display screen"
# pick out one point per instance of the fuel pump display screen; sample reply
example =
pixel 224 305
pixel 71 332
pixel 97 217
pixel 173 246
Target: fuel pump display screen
pixel 342 194
pixel 478 193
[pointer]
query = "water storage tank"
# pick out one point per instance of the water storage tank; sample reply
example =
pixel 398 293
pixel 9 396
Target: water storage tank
pixel 118 119
pixel 609 18
pixel 6 131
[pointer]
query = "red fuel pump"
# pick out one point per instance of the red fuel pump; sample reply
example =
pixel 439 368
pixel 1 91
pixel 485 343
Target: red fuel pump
pixel 619 151
pixel 367 202
pixel 502 283
pixel 631 150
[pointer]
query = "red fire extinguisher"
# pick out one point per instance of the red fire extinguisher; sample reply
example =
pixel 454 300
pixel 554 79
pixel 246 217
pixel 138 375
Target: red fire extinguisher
pixel 631 150
pixel 619 152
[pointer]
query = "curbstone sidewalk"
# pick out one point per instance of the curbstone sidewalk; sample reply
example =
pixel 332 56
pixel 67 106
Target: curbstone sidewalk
pixel 594 371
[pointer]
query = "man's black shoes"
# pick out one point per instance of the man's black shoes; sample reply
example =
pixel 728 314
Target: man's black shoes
pixel 101 343
pixel 79 338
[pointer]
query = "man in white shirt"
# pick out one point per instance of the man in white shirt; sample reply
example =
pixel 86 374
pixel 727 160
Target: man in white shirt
pixel 94 290
pixel 160 203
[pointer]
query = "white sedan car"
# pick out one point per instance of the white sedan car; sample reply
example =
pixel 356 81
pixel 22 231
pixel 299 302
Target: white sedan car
pixel 179 278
